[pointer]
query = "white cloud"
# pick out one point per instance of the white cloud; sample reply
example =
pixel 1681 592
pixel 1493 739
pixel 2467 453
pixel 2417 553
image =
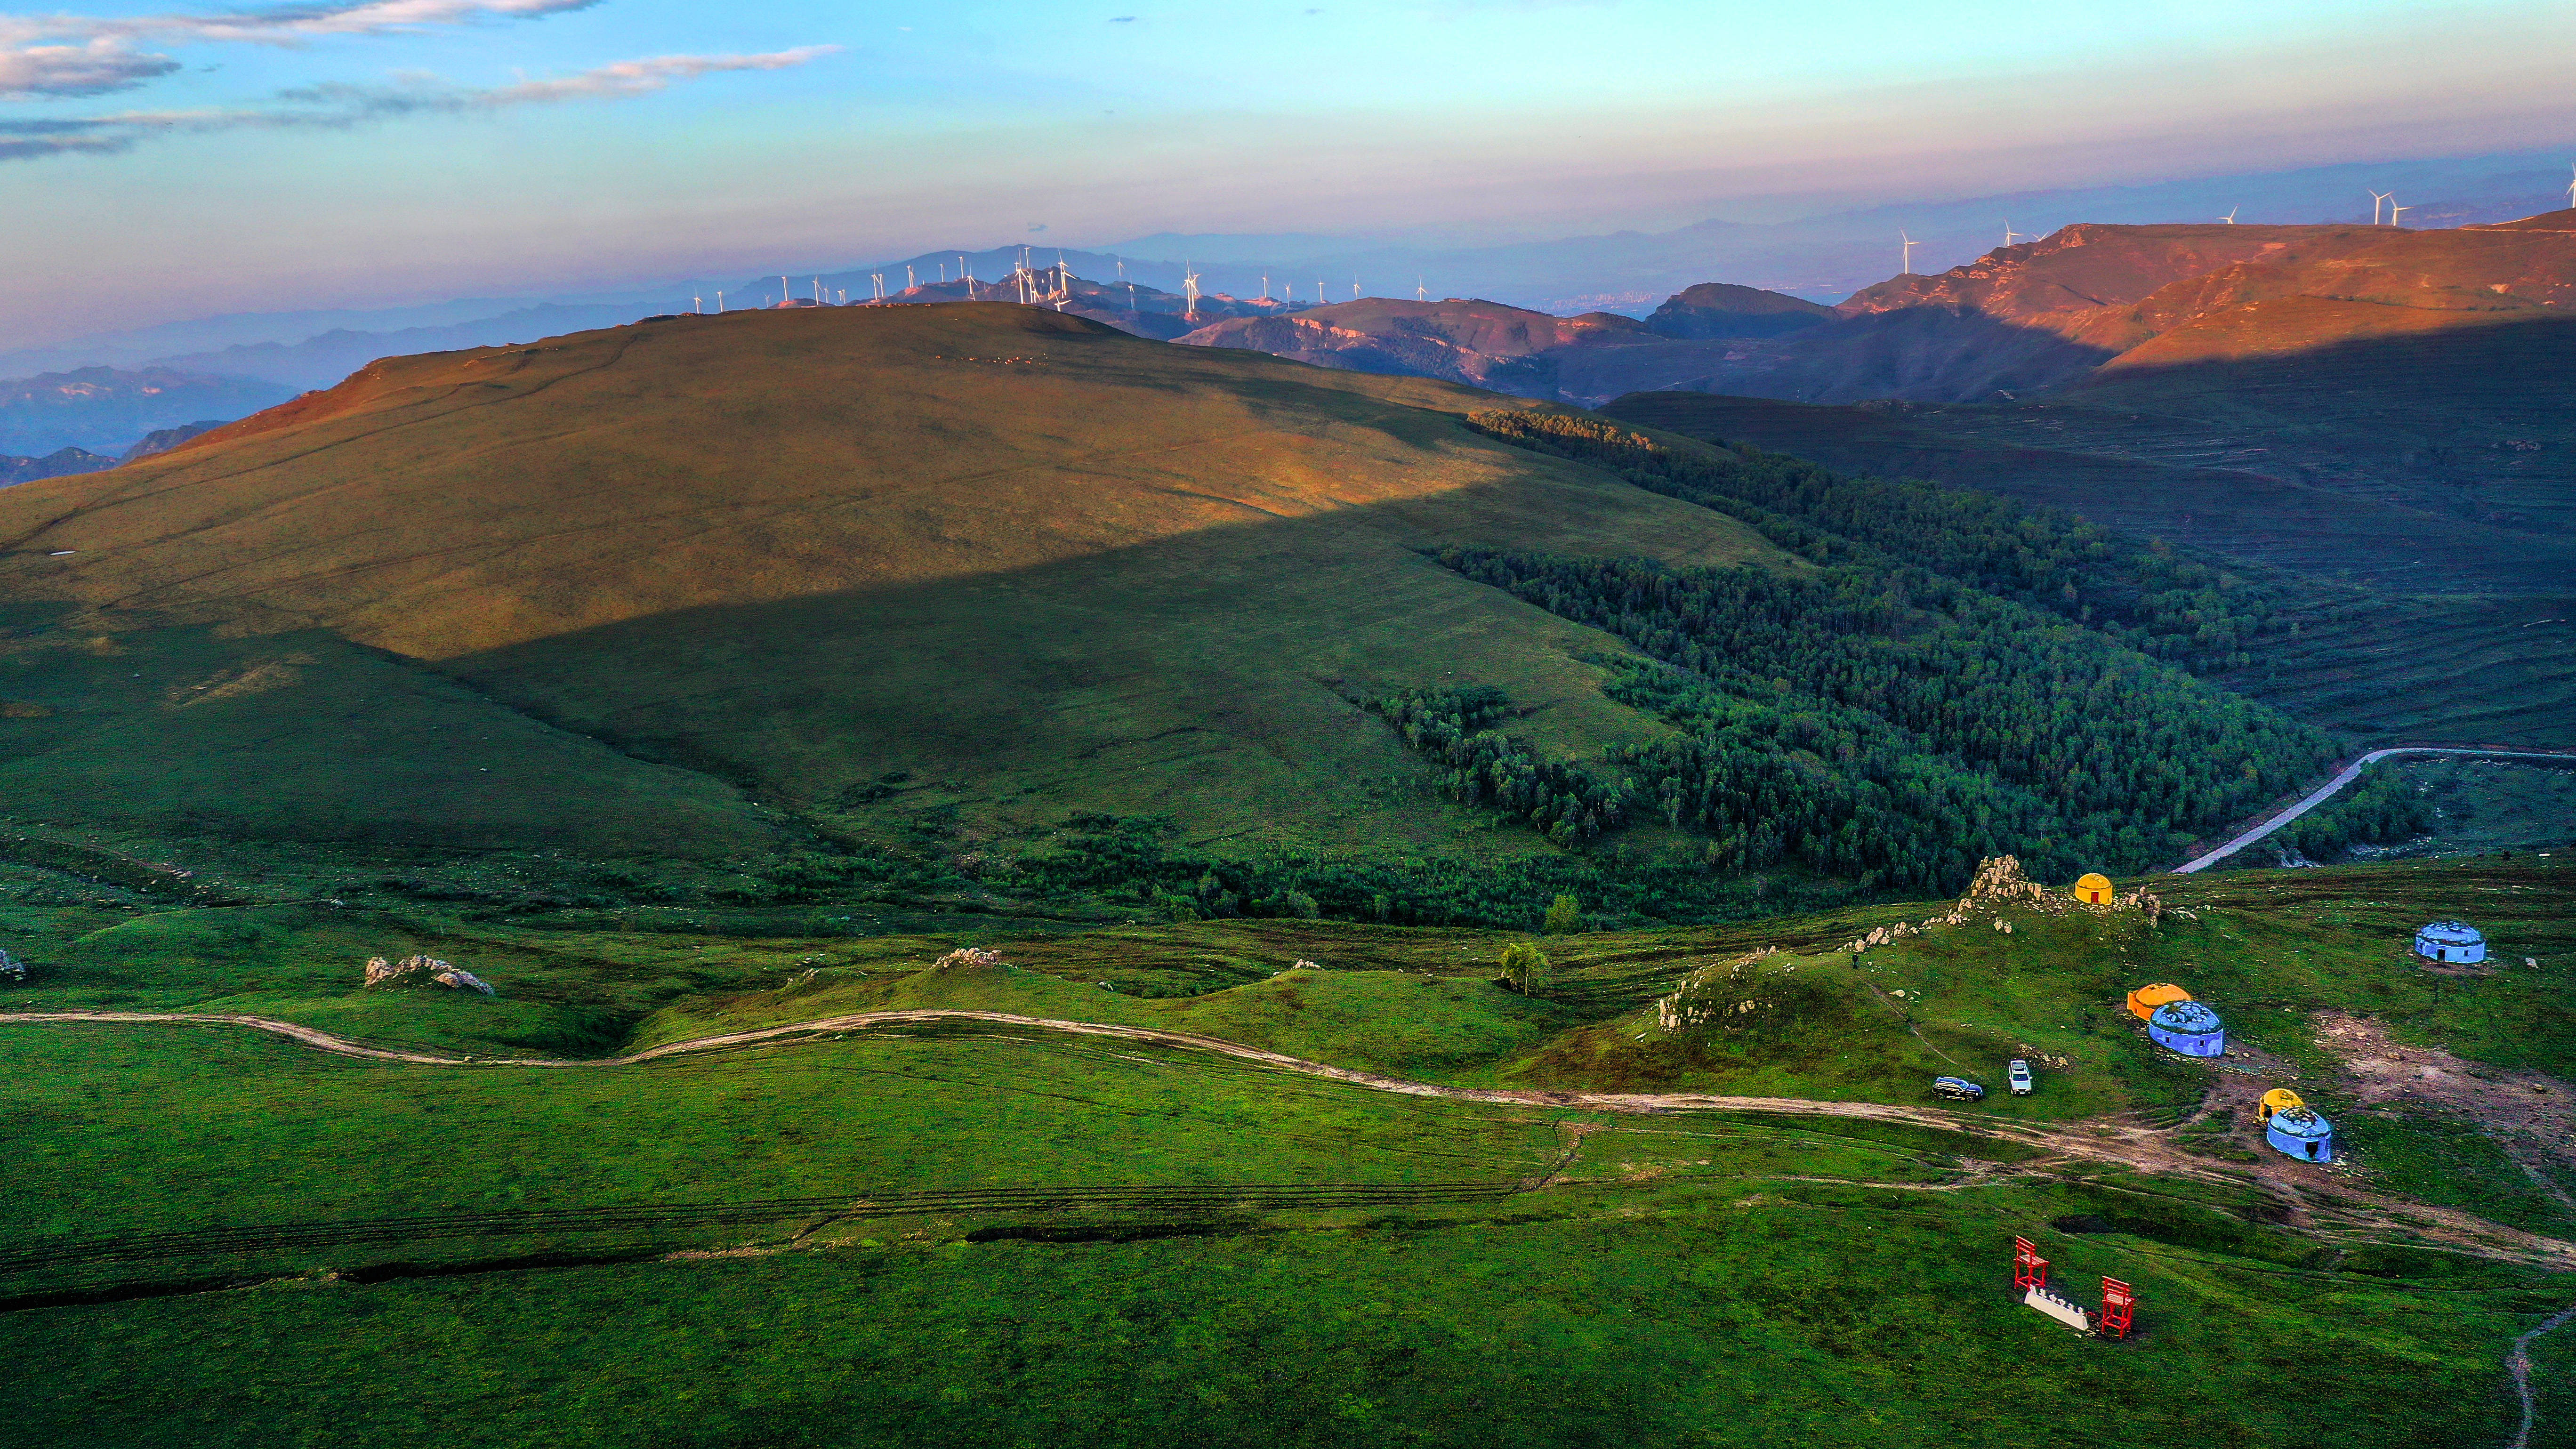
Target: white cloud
pixel 94 69
pixel 278 24
pixel 45 56
pixel 338 107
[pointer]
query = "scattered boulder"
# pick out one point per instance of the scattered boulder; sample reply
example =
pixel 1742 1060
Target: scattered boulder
pixel 12 968
pixel 424 970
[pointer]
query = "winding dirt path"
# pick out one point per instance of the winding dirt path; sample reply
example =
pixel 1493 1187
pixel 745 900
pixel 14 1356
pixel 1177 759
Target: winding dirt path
pixel 2518 1364
pixel 2316 1200
pixel 2346 776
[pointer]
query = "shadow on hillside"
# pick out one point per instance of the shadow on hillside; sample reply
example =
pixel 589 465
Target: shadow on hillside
pixel 1209 676
pixel 2233 511
pixel 1928 354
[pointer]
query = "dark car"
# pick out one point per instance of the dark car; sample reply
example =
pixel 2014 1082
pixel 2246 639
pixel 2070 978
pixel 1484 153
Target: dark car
pixel 1957 1089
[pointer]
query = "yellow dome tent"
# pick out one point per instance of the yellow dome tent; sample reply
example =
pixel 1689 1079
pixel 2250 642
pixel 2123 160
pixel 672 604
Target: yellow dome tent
pixel 2144 1001
pixel 2094 889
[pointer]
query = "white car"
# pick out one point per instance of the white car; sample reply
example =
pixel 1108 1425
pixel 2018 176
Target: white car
pixel 2018 1075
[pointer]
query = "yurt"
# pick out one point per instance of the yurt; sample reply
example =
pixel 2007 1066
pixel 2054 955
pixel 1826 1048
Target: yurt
pixel 2189 1028
pixel 2279 1099
pixel 2299 1132
pixel 2451 942
pixel 2094 889
pixel 2144 1001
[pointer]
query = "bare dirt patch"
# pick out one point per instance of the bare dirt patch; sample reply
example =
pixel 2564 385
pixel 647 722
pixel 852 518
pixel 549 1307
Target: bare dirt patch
pixel 2532 1106
pixel 2531 1115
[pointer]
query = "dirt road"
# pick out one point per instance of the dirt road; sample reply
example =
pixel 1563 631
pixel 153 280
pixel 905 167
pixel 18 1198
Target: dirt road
pixel 2346 776
pixel 2316 1200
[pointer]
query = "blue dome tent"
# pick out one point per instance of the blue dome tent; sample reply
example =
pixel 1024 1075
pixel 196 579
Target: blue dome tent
pixel 2299 1132
pixel 2188 1027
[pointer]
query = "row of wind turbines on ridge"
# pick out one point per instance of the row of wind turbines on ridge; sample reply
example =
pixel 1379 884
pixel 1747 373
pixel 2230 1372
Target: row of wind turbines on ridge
pixel 1030 286
pixel 2378 201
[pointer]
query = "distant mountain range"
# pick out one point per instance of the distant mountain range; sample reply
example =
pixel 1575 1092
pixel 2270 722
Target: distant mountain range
pixel 1813 260
pixel 105 409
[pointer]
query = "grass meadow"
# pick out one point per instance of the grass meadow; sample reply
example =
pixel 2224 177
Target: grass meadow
pixel 981 1234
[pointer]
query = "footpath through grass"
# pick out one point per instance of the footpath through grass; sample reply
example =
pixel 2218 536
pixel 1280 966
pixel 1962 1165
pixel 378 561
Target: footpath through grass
pixel 971 1235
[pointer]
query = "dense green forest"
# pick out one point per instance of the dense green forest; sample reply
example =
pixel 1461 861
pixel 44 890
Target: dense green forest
pixel 1487 768
pixel 2139 592
pixel 1895 725
pixel 2381 807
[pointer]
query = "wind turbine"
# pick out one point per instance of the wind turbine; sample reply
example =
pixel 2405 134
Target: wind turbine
pixel 697 305
pixel 1355 289
pixel 1265 276
pixel 1907 264
pixel 2395 211
pixel 2377 197
pixel 719 301
pixel 1419 295
pixel 1190 287
pixel 2010 235
pixel 784 296
pixel 2571 188
pixel 2230 217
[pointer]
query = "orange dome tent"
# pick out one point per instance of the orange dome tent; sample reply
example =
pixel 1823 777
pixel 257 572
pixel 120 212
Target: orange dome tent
pixel 2094 889
pixel 2146 999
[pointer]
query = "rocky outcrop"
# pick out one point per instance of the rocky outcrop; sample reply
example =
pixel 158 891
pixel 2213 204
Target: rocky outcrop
pixel 967 958
pixel 11 968
pixel 424 971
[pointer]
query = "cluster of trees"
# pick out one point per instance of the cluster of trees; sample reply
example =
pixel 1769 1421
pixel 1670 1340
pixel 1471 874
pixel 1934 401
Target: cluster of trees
pixel 2141 593
pixel 1897 726
pixel 1487 768
pixel 2382 807
pixel 1141 860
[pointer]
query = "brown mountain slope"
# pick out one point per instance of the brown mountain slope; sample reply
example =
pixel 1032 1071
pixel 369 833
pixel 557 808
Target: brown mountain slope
pixel 1721 309
pixel 1485 344
pixel 2048 313
pixel 1031 563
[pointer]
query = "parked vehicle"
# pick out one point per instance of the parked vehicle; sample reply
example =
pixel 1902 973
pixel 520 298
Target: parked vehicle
pixel 2017 1076
pixel 1957 1089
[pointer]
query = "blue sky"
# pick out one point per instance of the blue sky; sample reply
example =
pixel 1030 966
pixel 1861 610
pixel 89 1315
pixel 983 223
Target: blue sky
pixel 164 161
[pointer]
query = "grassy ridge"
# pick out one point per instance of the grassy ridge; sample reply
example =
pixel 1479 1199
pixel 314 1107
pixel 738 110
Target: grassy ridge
pixel 927 573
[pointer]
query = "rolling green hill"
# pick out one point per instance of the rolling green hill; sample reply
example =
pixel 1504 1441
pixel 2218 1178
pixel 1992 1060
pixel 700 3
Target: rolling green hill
pixel 991 606
pixel 1024 562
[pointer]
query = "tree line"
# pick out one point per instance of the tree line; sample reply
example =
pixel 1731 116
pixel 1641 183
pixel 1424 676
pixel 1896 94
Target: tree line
pixel 1486 768
pixel 1895 726
pixel 2139 592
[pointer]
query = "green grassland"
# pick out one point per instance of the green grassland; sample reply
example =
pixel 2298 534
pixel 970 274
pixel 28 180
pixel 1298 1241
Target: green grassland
pixel 979 1233
pixel 976 1233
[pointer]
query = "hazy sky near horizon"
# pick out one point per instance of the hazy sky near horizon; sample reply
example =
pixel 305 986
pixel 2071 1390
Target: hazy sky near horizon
pixel 166 162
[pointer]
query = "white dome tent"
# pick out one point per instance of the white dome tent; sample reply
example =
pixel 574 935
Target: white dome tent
pixel 2451 943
